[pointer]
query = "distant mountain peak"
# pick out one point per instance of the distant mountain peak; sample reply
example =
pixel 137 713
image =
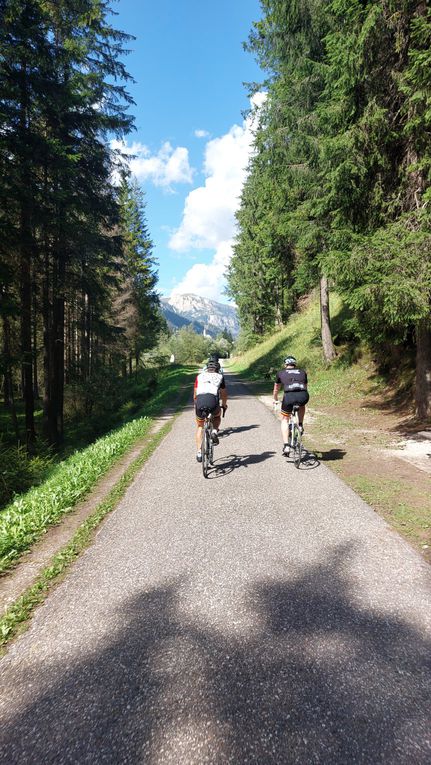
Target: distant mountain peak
pixel 213 316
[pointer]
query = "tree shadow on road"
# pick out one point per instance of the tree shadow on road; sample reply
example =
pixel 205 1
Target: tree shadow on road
pixel 306 672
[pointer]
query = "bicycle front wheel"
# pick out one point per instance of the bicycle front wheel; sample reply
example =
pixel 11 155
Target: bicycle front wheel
pixel 205 451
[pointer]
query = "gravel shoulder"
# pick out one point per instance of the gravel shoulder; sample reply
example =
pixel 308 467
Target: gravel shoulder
pixel 265 615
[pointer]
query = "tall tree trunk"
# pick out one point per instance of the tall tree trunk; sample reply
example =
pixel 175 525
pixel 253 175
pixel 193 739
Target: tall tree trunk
pixel 26 317
pixel 423 370
pixel 327 343
pixel 35 344
pixel 85 336
pixel 46 318
pixel 8 381
pixel 68 341
pixel 46 322
pixel 26 256
pixel 58 333
pixel 50 397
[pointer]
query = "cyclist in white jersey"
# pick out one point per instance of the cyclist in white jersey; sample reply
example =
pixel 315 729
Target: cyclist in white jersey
pixel 209 387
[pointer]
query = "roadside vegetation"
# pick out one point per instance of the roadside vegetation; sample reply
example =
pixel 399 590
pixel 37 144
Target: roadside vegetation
pixel 15 618
pixel 352 374
pixel 339 185
pixel 28 516
pixel 357 417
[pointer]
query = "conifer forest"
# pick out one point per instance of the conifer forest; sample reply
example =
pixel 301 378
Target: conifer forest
pixel 78 304
pixel 338 193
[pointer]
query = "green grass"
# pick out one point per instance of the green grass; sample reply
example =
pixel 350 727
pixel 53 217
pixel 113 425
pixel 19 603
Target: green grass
pixel 350 376
pixel 119 401
pixel 16 616
pixel 24 520
pixel 412 518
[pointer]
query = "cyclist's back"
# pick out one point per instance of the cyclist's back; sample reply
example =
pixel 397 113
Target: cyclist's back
pixel 209 387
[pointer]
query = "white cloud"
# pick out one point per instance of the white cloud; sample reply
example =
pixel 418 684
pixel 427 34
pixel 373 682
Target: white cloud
pixel 209 212
pixel 201 133
pixel 207 280
pixel 165 168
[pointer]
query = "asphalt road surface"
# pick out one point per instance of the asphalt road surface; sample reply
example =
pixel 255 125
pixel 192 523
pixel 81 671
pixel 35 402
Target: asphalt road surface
pixel 264 615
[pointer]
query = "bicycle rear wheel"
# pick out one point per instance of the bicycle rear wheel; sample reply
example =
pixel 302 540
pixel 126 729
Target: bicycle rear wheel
pixel 297 455
pixel 205 451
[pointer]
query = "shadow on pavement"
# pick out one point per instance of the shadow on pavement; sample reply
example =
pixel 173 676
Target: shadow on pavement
pixel 310 676
pixel 226 465
pixel 228 431
pixel 309 461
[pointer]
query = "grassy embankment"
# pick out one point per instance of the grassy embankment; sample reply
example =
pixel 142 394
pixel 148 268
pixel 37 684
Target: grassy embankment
pixel 27 517
pixel 88 415
pixel 352 422
pixel 82 470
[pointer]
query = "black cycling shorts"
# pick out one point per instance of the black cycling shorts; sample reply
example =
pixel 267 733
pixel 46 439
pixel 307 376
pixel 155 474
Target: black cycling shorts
pixel 292 397
pixel 206 402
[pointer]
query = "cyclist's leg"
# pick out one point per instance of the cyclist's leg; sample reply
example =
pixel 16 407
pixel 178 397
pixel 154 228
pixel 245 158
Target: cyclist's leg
pixel 203 404
pixel 285 428
pixel 286 411
pixel 216 420
pixel 302 401
pixel 199 431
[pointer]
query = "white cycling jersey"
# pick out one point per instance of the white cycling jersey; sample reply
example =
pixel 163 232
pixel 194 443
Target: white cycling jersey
pixel 209 382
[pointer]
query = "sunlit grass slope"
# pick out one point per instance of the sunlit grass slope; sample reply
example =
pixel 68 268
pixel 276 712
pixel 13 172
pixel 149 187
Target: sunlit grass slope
pixel 351 375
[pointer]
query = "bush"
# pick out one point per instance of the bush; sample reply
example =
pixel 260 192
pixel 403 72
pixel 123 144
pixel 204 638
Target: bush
pixel 19 472
pixel 107 400
pixel 187 346
pixel 246 340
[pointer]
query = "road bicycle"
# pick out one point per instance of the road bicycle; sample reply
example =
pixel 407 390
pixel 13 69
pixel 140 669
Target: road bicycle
pixel 295 435
pixel 207 446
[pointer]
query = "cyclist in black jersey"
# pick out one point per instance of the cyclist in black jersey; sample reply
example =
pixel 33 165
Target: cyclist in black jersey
pixel 294 382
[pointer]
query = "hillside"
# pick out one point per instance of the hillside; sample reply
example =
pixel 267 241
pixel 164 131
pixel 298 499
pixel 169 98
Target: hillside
pixel 354 422
pixel 201 313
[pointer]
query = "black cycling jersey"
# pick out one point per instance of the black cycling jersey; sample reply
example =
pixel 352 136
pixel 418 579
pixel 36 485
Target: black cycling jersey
pixel 292 379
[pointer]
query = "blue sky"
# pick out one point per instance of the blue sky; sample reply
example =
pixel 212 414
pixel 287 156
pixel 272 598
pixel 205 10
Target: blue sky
pixel 192 142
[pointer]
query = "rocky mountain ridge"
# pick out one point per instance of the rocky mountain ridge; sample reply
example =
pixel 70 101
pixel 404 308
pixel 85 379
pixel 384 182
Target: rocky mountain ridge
pixel 202 313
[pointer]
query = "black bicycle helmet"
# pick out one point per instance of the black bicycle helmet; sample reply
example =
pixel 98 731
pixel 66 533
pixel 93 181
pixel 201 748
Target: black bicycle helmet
pixel 213 365
pixel 289 360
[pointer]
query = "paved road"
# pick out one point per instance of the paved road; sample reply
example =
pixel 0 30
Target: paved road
pixel 265 615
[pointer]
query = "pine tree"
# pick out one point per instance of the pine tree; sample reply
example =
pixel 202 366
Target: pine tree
pixel 62 100
pixel 137 302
